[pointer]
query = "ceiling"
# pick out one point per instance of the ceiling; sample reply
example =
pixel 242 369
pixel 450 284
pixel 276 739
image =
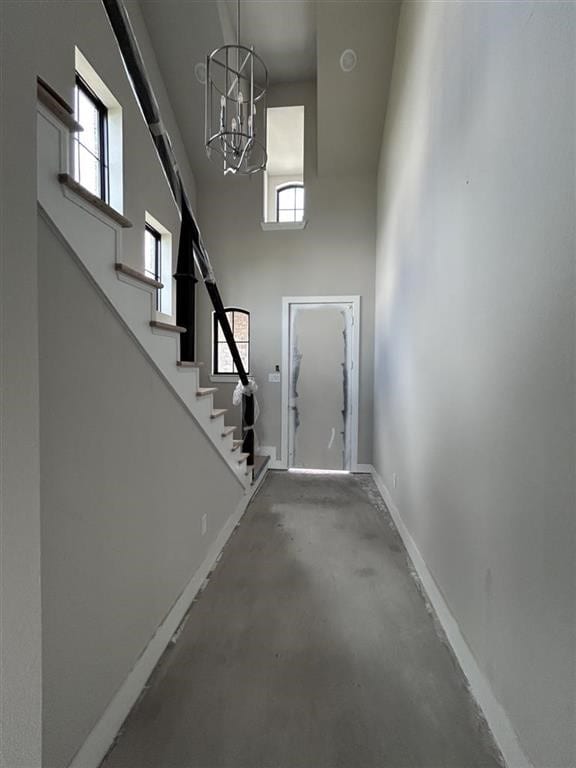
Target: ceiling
pixel 300 41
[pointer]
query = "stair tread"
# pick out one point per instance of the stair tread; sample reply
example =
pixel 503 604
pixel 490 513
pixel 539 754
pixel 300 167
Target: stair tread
pixel 228 431
pixel 242 457
pixel 204 391
pixel 236 444
pixel 218 412
pixel 188 364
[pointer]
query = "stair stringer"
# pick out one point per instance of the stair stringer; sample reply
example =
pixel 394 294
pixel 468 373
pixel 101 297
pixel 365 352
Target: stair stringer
pixel 96 240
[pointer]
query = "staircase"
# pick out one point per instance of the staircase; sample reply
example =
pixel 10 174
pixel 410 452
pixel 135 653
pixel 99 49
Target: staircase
pixel 93 233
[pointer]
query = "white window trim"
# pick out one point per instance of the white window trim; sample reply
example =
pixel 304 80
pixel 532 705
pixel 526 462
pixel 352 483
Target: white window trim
pixel 166 293
pixel 115 150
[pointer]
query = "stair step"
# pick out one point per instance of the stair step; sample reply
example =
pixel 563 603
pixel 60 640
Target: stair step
pixel 167 326
pixel 188 364
pixel 205 391
pixel 242 457
pixel 218 412
pixel 227 431
pixel 236 444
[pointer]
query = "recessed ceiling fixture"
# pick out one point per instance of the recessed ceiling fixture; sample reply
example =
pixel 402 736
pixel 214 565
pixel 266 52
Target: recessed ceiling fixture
pixel 235 126
pixel 200 72
pixel 348 60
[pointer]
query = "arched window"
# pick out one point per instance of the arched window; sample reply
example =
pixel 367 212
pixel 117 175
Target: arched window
pixel 239 321
pixel 290 202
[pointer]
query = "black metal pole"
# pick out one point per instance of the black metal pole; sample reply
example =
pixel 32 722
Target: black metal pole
pixel 186 288
pixel 248 428
pixel 220 313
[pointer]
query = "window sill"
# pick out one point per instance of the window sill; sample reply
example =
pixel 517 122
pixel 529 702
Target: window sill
pixel 273 226
pixel 163 318
pixel 140 277
pixel 225 378
pixel 169 327
pixel 68 182
pixel 55 104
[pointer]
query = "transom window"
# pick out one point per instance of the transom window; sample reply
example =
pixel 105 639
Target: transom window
pixel 239 321
pixel 153 257
pixel 91 144
pixel 290 202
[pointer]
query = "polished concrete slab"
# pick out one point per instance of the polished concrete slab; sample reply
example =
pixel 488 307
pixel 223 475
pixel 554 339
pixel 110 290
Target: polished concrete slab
pixel 311 647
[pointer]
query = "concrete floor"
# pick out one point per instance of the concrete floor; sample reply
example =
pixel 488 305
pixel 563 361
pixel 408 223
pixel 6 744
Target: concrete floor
pixel 311 647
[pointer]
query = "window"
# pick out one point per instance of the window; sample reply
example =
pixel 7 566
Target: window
pixel 290 202
pixel 284 198
pixel 158 262
pixel 153 257
pixel 239 321
pixel 91 144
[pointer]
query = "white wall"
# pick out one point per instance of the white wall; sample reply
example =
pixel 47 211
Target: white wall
pixel 126 476
pixel 334 255
pixel 475 324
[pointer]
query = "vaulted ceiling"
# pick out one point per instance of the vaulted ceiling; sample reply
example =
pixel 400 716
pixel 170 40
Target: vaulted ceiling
pixel 300 41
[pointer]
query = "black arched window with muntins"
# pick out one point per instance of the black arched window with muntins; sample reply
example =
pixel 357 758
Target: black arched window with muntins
pixel 290 202
pixel 239 320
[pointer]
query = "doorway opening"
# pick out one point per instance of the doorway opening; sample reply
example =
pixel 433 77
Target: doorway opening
pixel 320 383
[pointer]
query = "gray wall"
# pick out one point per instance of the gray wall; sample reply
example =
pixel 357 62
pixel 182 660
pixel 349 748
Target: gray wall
pixel 20 656
pixel 126 476
pixel 475 324
pixel 334 255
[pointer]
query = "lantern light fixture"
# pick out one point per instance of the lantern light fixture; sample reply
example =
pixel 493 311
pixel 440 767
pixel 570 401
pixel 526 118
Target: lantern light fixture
pixel 235 118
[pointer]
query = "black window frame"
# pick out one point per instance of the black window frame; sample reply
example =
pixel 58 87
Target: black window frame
pixel 285 188
pixel 157 259
pixel 102 109
pixel 216 344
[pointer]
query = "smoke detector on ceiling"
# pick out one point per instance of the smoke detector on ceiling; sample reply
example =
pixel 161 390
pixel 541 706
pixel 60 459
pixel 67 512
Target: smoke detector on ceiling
pixel 200 72
pixel 348 60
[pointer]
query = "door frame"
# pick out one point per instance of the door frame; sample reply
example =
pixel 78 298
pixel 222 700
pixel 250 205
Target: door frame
pixel 353 393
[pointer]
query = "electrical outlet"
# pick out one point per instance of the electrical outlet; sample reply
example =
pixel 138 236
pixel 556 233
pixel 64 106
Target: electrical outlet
pixel 395 479
pixel 204 524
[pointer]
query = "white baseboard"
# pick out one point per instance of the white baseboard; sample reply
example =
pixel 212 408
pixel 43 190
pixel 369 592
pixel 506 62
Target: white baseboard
pixel 364 469
pixel 497 719
pixel 96 746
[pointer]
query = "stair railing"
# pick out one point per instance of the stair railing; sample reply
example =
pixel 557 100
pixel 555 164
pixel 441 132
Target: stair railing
pixel 191 250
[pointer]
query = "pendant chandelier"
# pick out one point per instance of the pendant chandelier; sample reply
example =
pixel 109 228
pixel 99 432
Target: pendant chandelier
pixel 235 125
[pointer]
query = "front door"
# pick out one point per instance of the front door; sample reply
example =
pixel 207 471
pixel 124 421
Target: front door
pixel 320 354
